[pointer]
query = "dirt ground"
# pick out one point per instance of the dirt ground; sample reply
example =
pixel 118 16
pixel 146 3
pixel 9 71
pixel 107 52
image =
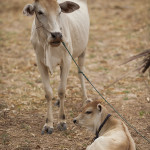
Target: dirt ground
pixel 119 29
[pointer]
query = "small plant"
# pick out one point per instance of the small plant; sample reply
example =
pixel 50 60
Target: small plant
pixel 126 92
pixel 126 98
pixel 142 113
pixel 5 138
pixel 25 126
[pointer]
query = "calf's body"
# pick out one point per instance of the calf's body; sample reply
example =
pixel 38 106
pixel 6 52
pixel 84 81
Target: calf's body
pixel 53 23
pixel 114 135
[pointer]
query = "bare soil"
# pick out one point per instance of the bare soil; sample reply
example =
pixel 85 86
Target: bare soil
pixel 119 29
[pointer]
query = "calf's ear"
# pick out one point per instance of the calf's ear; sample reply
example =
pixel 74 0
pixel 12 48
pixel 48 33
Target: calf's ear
pixel 68 7
pixel 99 107
pixel 28 10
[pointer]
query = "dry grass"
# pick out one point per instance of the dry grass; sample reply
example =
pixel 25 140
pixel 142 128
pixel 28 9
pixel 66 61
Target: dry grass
pixel 119 29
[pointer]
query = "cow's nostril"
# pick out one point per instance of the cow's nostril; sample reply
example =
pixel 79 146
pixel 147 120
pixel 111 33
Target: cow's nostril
pixel 53 35
pixel 74 121
pixel 60 35
pixel 56 35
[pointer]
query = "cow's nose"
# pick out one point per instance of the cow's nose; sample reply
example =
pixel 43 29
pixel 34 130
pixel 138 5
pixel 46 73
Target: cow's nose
pixel 74 121
pixel 56 35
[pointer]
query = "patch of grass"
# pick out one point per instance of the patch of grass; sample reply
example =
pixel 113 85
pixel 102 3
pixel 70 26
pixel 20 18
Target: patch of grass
pixel 30 83
pixel 71 114
pixel 67 133
pixel 25 126
pixel 92 56
pixel 129 36
pixel 126 98
pixel 102 68
pixel 5 138
pixel 23 147
pixel 142 112
pixel 5 35
pixel 24 96
pixel 1 36
pixel 1 21
pixel 85 145
pixel 2 106
pixel 126 92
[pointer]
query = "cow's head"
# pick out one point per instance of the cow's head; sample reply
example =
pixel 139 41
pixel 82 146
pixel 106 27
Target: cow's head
pixel 48 14
pixel 91 115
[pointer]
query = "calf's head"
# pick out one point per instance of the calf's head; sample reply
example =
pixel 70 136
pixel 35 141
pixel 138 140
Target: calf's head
pixel 91 116
pixel 48 18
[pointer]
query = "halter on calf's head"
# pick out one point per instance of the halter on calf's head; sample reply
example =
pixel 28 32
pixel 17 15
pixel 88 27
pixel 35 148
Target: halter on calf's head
pixel 48 18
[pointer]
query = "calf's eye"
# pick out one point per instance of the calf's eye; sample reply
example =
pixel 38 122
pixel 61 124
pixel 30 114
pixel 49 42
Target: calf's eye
pixel 88 112
pixel 40 13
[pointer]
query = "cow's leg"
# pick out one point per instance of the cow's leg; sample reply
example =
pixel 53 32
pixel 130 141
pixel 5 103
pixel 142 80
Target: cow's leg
pixel 64 69
pixel 81 65
pixel 48 127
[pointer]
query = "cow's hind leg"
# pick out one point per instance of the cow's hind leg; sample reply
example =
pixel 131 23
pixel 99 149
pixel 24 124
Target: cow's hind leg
pixel 64 69
pixel 81 77
pixel 48 127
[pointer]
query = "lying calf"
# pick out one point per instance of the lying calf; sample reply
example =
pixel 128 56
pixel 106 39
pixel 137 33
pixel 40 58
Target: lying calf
pixel 111 133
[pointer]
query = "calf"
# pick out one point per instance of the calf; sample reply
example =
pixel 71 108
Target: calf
pixel 54 22
pixel 111 133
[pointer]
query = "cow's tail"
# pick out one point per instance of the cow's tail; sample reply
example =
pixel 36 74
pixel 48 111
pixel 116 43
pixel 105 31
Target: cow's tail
pixel 145 64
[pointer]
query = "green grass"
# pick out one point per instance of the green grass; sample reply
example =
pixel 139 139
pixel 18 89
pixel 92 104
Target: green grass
pixel 92 56
pixel 126 92
pixel 125 98
pixel 25 126
pixel 142 113
pixel 30 83
pixel 5 138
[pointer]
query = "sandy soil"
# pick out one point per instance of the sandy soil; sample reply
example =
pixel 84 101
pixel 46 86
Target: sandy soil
pixel 119 29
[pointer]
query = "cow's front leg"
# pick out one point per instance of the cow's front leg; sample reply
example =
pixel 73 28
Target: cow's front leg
pixel 48 127
pixel 64 69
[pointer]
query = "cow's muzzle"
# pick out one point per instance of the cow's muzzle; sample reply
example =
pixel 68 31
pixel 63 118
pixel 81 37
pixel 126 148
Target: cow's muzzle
pixel 56 39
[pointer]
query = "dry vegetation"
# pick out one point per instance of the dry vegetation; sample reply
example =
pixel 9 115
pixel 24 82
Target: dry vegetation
pixel 119 29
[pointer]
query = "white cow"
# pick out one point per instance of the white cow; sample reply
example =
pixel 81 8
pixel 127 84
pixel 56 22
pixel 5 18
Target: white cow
pixel 56 21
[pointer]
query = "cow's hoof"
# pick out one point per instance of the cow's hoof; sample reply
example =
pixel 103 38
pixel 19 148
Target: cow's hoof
pixel 62 126
pixel 57 103
pixel 47 129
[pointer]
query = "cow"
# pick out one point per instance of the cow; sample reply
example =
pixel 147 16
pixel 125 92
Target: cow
pixel 54 22
pixel 111 133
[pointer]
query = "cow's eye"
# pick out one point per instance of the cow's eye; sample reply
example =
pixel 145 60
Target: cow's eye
pixel 40 13
pixel 88 112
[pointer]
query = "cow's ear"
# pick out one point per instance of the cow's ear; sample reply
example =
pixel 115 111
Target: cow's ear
pixel 68 7
pixel 28 10
pixel 99 107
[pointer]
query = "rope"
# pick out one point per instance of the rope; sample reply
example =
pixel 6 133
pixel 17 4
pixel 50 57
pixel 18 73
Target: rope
pixel 104 97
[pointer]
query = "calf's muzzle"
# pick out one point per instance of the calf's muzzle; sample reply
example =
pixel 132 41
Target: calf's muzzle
pixel 74 121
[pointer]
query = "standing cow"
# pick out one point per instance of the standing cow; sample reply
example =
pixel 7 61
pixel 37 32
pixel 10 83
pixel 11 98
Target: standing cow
pixel 54 22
